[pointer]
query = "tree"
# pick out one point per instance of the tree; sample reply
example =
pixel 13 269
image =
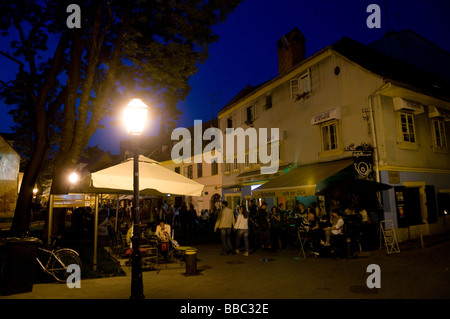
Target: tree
pixel 124 49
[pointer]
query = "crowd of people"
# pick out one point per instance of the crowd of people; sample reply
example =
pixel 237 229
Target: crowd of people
pixel 245 229
pixel 261 228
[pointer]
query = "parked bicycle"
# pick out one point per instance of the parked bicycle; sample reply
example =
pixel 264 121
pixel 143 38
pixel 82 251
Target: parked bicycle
pixel 55 261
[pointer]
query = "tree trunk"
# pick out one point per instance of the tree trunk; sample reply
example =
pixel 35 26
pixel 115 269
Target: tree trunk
pixel 22 214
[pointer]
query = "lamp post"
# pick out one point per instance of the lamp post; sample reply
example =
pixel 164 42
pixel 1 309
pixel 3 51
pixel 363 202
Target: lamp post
pixel 135 116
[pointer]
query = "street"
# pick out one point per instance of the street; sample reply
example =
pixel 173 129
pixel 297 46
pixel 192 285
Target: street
pixel 414 273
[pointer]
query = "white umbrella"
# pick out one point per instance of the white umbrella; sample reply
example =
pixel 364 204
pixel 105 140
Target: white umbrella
pixel 152 177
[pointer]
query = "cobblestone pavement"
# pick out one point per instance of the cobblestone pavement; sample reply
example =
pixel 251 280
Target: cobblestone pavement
pixel 414 273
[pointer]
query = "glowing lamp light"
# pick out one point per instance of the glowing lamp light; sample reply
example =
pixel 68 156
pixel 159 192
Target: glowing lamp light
pixel 135 116
pixel 73 178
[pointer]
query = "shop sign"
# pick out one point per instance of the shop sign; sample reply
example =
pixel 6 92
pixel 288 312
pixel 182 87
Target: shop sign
pixel 403 104
pixel 73 200
pixel 363 162
pixel 394 177
pixel 326 116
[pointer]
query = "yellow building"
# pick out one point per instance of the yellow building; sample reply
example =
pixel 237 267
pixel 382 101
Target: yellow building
pixel 343 98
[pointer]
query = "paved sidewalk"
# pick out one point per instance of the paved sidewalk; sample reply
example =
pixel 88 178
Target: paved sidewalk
pixel 413 273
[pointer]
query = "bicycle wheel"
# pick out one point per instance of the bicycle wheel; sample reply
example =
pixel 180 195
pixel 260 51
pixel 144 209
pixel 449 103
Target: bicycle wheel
pixel 64 258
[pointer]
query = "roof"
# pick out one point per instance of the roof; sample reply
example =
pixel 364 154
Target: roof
pixel 391 68
pixel 246 91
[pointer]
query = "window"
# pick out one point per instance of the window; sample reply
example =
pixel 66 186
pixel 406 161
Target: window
pixel 329 136
pixel 300 87
pixel 189 171
pixel 254 157
pixel 199 170
pixel 250 115
pixel 407 128
pixel 214 167
pixel 268 102
pixel 227 166
pixel 407 138
pixel 230 122
pixel 235 164
pixel 177 170
pixel 247 161
pixel 440 140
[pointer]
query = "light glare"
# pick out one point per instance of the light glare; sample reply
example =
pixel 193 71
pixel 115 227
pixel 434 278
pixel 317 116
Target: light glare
pixel 135 116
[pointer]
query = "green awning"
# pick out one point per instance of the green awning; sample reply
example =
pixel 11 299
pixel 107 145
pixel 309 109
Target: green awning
pixel 302 180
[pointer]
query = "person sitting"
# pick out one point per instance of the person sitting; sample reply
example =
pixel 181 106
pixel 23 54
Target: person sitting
pixel 337 227
pixel 310 227
pixel 163 232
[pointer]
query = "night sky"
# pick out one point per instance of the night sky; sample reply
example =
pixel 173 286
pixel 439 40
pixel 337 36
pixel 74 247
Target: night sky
pixel 246 52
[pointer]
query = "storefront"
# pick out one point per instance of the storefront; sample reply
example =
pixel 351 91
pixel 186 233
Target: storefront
pixel 302 183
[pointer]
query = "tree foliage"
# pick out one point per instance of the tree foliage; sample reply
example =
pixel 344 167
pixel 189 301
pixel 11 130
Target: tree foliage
pixel 68 80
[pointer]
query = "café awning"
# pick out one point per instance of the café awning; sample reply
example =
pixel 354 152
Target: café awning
pixel 302 180
pixel 356 187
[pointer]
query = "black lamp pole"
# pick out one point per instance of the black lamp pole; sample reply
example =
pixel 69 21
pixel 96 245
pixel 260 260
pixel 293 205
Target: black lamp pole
pixel 137 286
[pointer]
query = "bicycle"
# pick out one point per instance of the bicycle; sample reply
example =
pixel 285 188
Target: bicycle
pixel 58 261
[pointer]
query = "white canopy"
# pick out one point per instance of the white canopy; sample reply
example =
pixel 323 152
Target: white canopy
pixel 152 176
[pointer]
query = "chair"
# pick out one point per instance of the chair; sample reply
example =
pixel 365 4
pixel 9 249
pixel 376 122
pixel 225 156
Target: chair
pixel 389 236
pixel 150 256
pixel 117 246
pixel 305 241
pixel 176 250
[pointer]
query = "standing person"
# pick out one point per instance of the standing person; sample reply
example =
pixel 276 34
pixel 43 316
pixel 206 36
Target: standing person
pixel 225 221
pixel 192 220
pixel 252 225
pixel 242 229
pixel 264 227
pixel 184 217
pixel 275 226
pixel 284 217
pixel 170 215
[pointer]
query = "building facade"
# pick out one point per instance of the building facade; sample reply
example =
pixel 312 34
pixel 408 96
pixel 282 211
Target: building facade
pixel 199 166
pixel 346 97
pixel 9 179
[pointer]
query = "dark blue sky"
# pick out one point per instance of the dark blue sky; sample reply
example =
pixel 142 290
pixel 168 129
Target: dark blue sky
pixel 246 52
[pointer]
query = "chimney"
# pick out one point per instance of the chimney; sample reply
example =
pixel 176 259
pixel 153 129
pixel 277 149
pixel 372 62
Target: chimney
pixel 291 50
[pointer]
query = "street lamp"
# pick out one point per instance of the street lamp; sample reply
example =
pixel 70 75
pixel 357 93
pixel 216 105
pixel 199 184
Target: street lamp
pixel 73 178
pixel 135 116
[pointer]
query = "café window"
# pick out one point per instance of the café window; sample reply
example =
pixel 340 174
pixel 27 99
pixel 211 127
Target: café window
pixel 439 137
pixel 329 136
pixel 406 131
pixel 300 86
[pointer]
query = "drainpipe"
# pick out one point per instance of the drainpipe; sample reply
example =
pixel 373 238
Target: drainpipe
pixel 374 138
pixel 372 127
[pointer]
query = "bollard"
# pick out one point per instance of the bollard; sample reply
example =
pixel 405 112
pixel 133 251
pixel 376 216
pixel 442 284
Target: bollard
pixel 349 248
pixel 191 262
pixel 422 245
